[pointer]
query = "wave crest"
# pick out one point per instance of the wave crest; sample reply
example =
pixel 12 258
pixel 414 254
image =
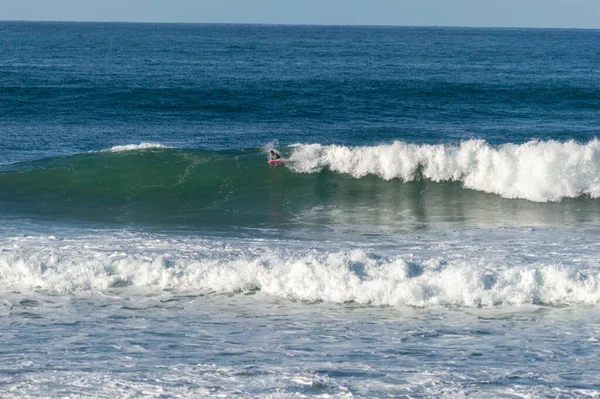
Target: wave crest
pixel 134 147
pixel 536 171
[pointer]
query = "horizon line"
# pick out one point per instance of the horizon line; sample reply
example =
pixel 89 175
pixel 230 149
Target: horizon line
pixel 295 24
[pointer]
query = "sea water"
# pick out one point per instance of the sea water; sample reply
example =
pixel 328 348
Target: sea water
pixel 433 233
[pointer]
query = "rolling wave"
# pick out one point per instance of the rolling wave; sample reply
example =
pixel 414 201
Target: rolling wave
pixel 356 276
pixel 382 185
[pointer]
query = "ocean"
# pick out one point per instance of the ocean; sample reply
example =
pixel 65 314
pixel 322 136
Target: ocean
pixel 433 232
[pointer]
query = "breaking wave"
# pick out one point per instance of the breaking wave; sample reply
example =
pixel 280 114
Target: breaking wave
pixel 150 183
pixel 356 276
pixel 134 147
pixel 536 171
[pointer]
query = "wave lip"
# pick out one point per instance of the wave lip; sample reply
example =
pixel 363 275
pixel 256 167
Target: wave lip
pixel 540 171
pixel 135 147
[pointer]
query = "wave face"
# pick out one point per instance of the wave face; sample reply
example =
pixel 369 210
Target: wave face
pixel 387 185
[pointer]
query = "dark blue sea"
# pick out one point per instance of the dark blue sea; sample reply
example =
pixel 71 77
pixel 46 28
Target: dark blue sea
pixel 433 231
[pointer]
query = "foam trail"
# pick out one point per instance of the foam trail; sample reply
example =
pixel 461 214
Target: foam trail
pixel 339 277
pixel 536 171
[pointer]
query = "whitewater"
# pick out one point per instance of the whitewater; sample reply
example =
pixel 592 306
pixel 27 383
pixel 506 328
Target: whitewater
pixel 432 270
pixel 536 171
pixel 151 313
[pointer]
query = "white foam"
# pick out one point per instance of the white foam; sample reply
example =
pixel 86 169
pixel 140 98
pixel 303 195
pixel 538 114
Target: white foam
pixel 175 381
pixel 271 145
pixel 536 171
pixel 134 147
pixel 342 276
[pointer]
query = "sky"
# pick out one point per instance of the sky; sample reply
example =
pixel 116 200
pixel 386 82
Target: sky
pixel 477 13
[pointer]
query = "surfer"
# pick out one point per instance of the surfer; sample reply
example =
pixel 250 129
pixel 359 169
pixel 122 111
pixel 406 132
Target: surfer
pixel 273 155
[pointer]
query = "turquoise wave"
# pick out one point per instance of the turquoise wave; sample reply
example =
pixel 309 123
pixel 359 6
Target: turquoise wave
pixel 198 189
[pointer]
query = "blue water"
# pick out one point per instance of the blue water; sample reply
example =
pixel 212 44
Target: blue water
pixel 433 232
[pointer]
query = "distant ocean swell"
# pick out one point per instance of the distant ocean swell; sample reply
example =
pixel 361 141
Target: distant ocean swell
pixel 357 276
